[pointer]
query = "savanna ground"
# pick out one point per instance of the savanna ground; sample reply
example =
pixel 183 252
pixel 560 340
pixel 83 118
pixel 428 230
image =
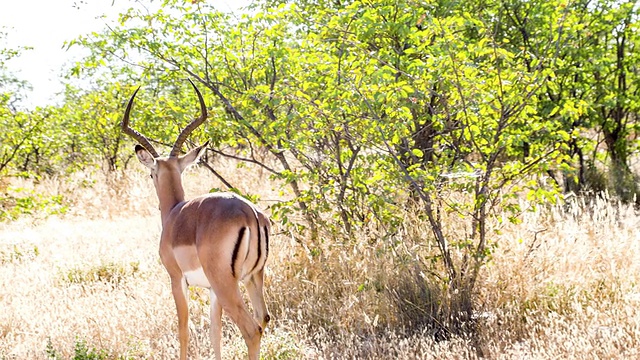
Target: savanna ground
pixel 561 284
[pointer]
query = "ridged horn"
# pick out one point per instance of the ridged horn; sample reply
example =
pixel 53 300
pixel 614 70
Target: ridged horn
pixel 133 133
pixel 192 125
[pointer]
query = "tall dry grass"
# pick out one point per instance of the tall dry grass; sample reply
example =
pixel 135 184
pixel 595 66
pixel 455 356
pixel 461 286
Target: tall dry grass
pixel 562 284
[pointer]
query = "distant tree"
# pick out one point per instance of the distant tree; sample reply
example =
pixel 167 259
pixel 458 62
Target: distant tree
pixel 16 125
pixel 594 92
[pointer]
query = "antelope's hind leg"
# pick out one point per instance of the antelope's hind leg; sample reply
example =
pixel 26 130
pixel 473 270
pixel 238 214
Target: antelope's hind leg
pixel 229 298
pixel 256 295
pixel 216 324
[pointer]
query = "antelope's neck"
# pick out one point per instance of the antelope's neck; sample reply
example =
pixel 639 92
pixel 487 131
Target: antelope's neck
pixel 170 194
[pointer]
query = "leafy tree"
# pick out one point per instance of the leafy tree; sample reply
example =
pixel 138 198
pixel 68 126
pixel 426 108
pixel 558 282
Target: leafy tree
pixel 16 126
pixel 610 74
pixel 452 115
pixel 593 92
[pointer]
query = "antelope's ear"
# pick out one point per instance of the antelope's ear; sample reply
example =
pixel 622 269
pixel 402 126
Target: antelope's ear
pixel 145 157
pixel 192 156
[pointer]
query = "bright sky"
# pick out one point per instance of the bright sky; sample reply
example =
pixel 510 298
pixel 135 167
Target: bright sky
pixel 45 25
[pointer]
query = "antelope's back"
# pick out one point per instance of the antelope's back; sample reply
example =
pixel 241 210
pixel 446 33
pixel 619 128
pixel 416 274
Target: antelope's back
pixel 216 220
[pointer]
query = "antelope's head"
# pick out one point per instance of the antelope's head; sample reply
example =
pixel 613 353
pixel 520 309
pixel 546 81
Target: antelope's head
pixel 166 170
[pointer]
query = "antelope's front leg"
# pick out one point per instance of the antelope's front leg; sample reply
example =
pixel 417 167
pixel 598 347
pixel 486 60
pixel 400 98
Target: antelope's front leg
pixel 179 290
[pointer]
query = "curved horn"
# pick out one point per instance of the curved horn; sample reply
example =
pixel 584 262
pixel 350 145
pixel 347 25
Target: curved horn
pixel 134 134
pixel 192 125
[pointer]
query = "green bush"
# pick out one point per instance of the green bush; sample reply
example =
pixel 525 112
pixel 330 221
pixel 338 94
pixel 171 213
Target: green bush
pixel 81 351
pixel 17 202
pixel 114 273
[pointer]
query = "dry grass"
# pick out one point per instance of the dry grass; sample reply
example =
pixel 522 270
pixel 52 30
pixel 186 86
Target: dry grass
pixel 562 284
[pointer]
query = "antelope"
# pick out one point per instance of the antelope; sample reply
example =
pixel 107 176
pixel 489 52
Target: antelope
pixel 214 241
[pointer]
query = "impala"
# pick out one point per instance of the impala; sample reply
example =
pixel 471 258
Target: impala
pixel 213 241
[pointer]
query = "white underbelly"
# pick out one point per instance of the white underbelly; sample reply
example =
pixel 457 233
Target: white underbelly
pixel 196 278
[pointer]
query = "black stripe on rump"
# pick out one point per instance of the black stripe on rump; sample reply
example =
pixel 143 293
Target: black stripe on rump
pixel 266 237
pixel 236 248
pixel 259 249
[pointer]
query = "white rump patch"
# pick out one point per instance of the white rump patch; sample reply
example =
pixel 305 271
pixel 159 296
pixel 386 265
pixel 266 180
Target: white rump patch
pixel 197 278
